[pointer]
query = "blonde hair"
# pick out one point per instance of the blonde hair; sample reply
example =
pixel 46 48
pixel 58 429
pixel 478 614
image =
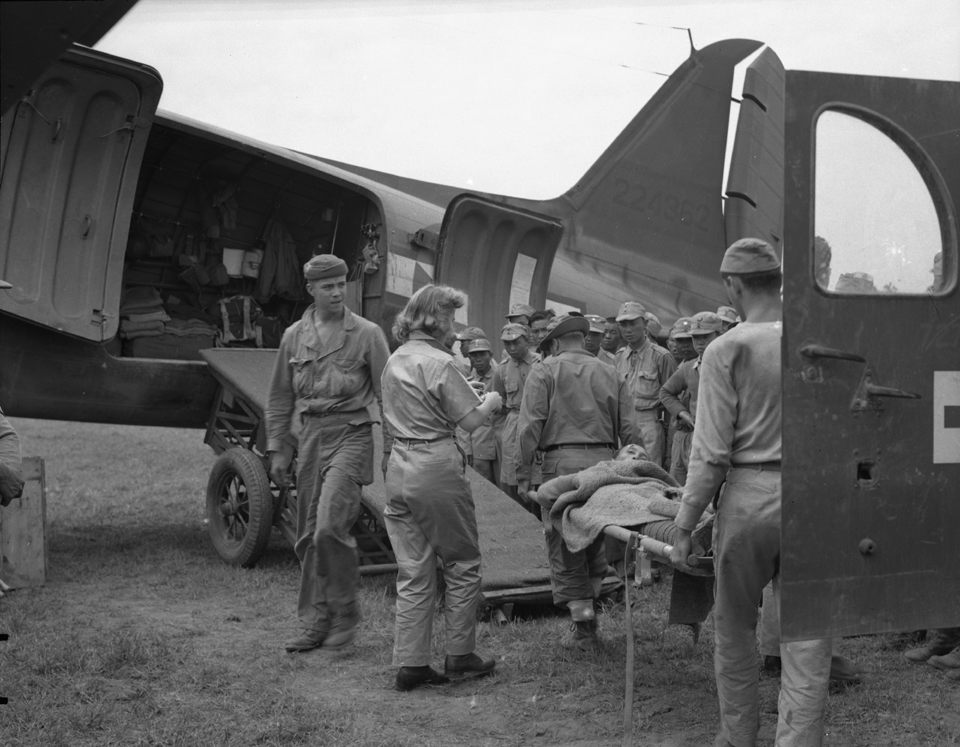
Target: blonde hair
pixel 429 310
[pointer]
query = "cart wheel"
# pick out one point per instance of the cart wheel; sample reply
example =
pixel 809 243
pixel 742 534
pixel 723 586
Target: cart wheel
pixel 239 507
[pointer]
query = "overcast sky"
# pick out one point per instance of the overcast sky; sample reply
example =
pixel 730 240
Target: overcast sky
pixel 515 97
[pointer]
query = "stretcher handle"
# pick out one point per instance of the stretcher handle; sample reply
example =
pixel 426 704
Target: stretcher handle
pixel 650 545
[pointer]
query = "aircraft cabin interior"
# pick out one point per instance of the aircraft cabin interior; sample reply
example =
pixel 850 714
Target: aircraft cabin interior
pixel 161 246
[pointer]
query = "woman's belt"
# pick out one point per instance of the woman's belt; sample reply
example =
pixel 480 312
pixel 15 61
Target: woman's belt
pixel 554 447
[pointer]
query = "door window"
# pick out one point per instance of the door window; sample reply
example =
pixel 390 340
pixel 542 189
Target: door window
pixel 876 224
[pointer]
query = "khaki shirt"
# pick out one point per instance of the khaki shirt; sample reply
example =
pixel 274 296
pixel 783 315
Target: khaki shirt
pixel 739 413
pixel 508 381
pixel 680 391
pixel 424 395
pixel 646 369
pixel 308 377
pixel 482 443
pixel 572 398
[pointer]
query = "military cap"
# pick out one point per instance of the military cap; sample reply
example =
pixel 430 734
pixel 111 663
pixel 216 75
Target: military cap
pixel 4 285
pixel 481 343
pixel 631 310
pixel 749 255
pixel 520 309
pixel 728 314
pixel 653 323
pixel 513 331
pixel 564 325
pixel 596 322
pixel 324 266
pixel 705 323
pixel 681 328
pixel 470 333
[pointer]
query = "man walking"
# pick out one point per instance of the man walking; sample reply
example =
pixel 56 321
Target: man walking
pixel 327 373
pixel 739 430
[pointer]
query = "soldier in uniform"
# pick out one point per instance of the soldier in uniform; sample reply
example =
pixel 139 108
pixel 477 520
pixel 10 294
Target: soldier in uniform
pixel 646 367
pixel 738 439
pixel 327 371
pixel 729 318
pixel 465 337
pixel 577 411
pixel 483 447
pixel 593 342
pixel 679 394
pixel 520 313
pixel 508 381
pixel 654 328
pixel 611 341
pixel 538 325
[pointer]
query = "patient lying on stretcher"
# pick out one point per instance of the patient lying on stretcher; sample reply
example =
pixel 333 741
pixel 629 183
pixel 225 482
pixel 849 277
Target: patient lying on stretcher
pixel 626 491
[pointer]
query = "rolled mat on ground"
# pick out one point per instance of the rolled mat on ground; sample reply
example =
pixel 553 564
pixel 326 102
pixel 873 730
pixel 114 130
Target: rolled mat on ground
pixel 612 493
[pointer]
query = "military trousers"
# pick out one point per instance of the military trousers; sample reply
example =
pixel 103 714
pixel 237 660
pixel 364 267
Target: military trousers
pixel 573 575
pixel 747 557
pixel 648 430
pixel 430 514
pixel 680 455
pixel 334 459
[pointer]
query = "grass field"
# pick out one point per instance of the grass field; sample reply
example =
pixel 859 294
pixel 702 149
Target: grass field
pixel 143 636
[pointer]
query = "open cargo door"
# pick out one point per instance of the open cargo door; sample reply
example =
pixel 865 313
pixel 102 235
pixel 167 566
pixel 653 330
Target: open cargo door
pixel 871 386
pixel 70 159
pixel 498 253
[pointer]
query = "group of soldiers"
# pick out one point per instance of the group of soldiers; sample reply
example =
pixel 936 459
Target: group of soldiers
pixel 571 391
pixel 660 371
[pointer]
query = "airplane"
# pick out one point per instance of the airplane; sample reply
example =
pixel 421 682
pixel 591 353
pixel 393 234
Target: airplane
pixel 101 193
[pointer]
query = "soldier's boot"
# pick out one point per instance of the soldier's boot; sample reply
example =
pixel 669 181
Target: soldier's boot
pixel 583 628
pixel 947 662
pixel 942 642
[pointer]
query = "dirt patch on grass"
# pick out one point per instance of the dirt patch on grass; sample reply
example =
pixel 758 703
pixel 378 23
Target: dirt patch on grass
pixel 143 636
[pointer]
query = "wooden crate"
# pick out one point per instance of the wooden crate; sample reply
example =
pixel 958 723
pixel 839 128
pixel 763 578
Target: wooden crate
pixel 23 526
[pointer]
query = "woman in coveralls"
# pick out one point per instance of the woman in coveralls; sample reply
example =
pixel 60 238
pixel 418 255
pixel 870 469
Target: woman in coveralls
pixel 430 511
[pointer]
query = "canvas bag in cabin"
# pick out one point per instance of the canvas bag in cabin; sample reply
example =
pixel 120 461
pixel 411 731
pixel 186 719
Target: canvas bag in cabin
pixel 280 272
pixel 237 316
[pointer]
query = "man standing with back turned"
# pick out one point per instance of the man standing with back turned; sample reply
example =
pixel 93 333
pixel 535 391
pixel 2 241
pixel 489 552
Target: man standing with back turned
pixel 739 429
pixel 327 372
pixel 578 412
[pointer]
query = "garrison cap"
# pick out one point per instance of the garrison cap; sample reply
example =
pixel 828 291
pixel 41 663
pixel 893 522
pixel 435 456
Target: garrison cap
pixel 749 255
pixel 596 322
pixel 4 285
pixel 706 322
pixel 513 331
pixel 520 309
pixel 324 266
pixel 653 323
pixel 564 325
pixel 470 333
pixel 631 310
pixel 681 328
pixel 728 314
pixel 474 346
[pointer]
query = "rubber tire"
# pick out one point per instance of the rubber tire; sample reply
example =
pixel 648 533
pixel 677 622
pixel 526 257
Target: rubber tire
pixel 243 540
